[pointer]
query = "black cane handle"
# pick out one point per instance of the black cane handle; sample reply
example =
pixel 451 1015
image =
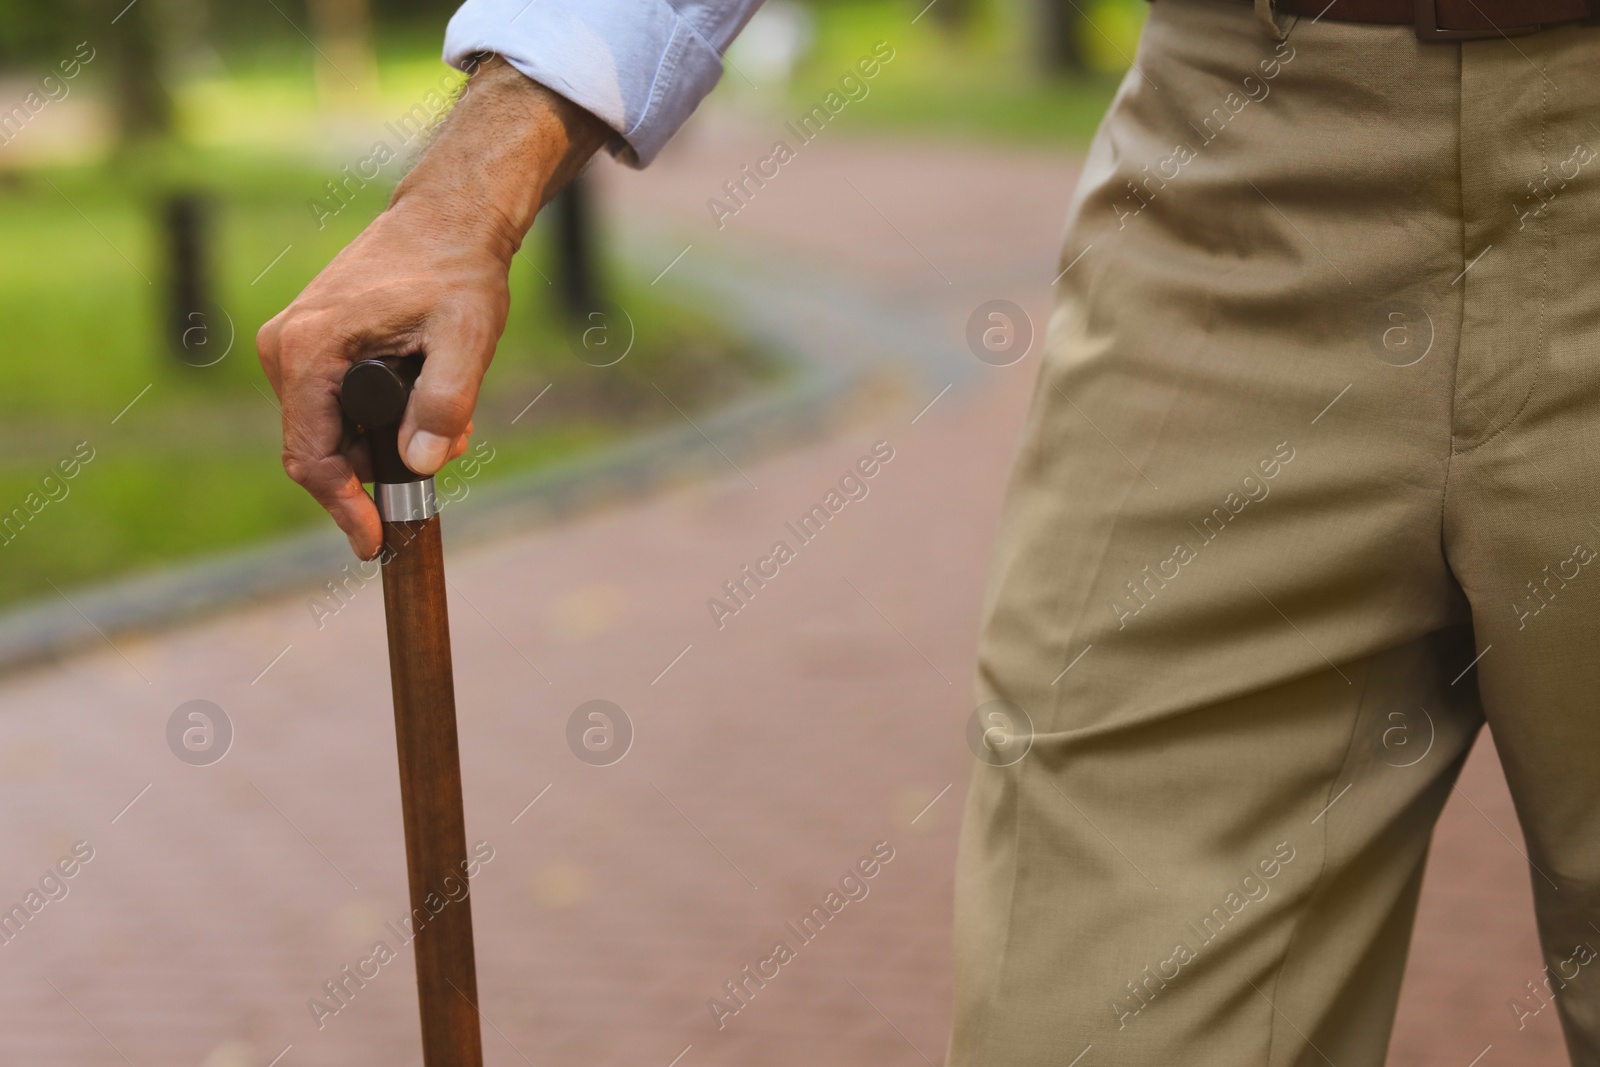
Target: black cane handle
pixel 374 397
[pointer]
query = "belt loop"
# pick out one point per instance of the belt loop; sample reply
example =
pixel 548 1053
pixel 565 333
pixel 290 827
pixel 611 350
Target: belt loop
pixel 1267 18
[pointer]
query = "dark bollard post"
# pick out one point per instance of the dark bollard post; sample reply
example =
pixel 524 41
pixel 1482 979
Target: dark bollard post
pixel 576 246
pixel 185 218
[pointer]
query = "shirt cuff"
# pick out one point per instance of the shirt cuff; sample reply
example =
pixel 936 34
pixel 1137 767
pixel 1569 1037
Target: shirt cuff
pixel 639 66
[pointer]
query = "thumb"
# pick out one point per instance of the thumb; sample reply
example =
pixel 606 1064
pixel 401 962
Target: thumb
pixel 440 410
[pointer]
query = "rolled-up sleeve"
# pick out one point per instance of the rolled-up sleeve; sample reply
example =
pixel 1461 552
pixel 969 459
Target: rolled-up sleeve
pixel 640 66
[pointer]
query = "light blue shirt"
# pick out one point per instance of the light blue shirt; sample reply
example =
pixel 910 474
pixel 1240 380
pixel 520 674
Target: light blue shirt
pixel 640 66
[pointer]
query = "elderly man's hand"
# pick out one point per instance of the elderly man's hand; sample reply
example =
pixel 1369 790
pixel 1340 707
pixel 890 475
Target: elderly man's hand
pixel 429 274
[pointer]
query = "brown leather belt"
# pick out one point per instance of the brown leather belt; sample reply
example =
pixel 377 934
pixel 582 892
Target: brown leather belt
pixel 1447 20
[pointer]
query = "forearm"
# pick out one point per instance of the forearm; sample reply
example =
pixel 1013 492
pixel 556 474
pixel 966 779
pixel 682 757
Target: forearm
pixel 507 147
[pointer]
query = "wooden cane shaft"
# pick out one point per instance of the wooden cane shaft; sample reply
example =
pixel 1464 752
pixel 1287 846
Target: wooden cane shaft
pixel 430 792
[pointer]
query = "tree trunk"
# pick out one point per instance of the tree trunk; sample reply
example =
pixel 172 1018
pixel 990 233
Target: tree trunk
pixel 953 15
pixel 142 103
pixel 1059 41
pixel 347 66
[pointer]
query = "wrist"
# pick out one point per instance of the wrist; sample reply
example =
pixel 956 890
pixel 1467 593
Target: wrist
pixel 507 147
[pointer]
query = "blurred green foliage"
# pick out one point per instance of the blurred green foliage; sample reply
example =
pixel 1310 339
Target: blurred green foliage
pixel 976 80
pixel 28 27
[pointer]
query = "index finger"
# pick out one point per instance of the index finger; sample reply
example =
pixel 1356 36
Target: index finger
pixel 316 456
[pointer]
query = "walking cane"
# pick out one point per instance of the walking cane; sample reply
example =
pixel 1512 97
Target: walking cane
pixel 374 397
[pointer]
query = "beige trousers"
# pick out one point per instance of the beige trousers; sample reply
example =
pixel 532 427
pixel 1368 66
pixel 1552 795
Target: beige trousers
pixel 1309 489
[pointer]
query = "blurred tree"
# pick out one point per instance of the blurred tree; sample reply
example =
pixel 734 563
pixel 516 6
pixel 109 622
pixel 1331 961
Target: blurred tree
pixel 28 29
pixel 424 12
pixel 953 14
pixel 142 41
pixel 347 67
pixel 1058 39
pixel 137 49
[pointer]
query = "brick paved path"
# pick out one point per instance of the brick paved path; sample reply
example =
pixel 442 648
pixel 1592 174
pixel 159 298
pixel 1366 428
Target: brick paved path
pixel 768 757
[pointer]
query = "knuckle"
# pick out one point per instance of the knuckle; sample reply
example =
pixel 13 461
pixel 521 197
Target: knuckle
pixel 297 339
pixel 300 468
pixel 267 339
